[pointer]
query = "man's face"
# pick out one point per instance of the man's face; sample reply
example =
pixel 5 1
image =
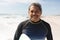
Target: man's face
pixel 34 13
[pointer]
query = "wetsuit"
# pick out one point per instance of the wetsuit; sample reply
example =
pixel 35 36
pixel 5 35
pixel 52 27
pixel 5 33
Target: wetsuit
pixel 35 30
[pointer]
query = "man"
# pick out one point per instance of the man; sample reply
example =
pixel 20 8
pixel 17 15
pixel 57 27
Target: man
pixel 35 28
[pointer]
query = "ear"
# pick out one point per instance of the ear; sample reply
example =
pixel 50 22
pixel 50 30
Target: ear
pixel 28 12
pixel 40 13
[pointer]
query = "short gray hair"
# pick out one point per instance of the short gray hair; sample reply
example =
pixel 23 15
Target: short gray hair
pixel 37 5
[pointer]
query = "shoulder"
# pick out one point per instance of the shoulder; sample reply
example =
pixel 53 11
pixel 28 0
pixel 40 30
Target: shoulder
pixel 45 23
pixel 23 22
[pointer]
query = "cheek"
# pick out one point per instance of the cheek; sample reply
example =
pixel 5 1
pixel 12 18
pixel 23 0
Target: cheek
pixel 30 15
pixel 38 15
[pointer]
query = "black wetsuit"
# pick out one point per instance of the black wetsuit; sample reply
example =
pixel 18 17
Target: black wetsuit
pixel 35 30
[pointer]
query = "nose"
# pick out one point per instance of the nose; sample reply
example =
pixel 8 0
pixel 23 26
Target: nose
pixel 34 13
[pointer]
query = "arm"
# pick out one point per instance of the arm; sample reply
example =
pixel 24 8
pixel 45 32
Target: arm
pixel 49 35
pixel 18 32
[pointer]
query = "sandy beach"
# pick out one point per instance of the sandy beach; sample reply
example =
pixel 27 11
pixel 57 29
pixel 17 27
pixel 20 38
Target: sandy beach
pixel 8 26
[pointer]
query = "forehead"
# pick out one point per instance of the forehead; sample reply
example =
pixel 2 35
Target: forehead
pixel 34 8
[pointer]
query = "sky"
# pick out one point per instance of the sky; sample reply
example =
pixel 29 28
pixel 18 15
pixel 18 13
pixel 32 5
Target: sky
pixel 20 7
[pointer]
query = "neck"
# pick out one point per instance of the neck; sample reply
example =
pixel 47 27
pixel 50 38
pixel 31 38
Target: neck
pixel 35 20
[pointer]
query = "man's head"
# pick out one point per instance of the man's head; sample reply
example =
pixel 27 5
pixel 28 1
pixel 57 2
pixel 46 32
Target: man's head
pixel 35 11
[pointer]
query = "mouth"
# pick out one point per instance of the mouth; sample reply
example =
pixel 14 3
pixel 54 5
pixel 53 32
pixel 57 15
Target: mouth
pixel 35 16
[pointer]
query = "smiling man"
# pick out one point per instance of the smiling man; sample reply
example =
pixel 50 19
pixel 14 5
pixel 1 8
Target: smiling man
pixel 35 28
pixel 34 13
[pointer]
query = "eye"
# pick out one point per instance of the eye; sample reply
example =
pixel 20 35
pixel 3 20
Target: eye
pixel 32 11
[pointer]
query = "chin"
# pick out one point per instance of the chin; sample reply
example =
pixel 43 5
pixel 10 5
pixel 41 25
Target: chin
pixel 34 19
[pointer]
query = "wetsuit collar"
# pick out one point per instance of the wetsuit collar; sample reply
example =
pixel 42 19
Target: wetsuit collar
pixel 35 22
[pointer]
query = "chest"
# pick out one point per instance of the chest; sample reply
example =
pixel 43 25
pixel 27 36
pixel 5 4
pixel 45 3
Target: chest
pixel 35 29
